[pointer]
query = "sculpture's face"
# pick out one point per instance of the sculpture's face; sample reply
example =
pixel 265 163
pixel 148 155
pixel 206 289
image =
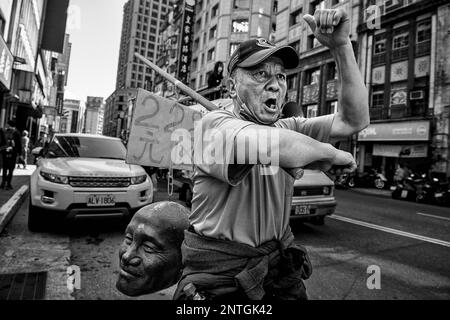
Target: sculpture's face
pixel 150 259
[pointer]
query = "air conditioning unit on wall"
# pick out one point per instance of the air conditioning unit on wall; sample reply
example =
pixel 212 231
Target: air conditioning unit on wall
pixel 416 95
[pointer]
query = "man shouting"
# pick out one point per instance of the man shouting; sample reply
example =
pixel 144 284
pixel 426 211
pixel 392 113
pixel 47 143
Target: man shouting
pixel 239 244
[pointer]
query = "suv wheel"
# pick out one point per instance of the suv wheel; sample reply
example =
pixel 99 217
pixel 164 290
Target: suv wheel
pixel 318 221
pixel 36 220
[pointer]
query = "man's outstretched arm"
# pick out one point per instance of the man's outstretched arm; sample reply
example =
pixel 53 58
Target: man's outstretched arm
pixel 332 28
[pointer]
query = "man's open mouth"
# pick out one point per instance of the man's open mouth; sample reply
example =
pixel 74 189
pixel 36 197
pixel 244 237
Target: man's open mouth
pixel 271 103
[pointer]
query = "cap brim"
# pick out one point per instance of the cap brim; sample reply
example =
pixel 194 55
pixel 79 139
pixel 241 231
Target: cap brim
pixel 287 54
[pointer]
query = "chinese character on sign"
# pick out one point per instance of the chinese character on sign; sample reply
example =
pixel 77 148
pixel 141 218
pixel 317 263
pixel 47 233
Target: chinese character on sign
pixel 185 49
pixel 187 29
pixel 399 71
pixel 2 61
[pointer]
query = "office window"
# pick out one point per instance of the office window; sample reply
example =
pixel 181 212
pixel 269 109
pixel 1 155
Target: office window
pixel 233 47
pixel 194 64
pixel 332 73
pixel 377 99
pixel 241 4
pixel 196 44
pixel 423 31
pixel 240 25
pixel 213 32
pixel 400 40
pixel 211 54
pixel 318 5
pixel 379 44
pixel 296 45
pixel 215 11
pixel 312 76
pixel 311 111
pixel 313 42
pixel 295 17
pixel 332 107
pixel 292 82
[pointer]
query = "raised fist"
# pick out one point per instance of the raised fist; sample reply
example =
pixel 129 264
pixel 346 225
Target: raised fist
pixel 331 27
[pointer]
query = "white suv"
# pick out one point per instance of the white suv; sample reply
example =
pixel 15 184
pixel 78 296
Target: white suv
pixel 85 176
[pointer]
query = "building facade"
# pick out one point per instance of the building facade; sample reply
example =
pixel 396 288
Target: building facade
pixel 220 26
pixel 118 112
pixel 407 73
pixel 26 33
pixel 142 21
pixel 94 106
pixel 70 119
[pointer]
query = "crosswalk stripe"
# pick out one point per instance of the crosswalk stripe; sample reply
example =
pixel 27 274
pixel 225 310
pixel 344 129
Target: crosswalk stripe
pixel 390 230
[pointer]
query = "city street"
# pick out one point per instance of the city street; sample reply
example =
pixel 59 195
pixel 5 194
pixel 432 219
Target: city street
pixel 409 243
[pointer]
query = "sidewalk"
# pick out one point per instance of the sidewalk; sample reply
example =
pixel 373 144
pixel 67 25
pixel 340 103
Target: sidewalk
pixel 11 200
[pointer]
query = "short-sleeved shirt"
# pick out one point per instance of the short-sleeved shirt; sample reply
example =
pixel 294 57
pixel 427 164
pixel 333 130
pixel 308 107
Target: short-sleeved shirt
pixel 237 202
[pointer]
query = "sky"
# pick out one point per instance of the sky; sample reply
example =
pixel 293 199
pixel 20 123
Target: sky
pixel 94 27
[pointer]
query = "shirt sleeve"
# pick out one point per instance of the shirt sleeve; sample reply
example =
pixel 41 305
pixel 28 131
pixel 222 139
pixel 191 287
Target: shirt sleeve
pixel 318 128
pixel 214 147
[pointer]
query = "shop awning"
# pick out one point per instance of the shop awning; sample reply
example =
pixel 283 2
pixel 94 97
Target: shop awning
pixel 400 151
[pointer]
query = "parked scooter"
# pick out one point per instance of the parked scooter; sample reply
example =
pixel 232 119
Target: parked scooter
pixel 366 179
pixel 432 191
pixel 409 188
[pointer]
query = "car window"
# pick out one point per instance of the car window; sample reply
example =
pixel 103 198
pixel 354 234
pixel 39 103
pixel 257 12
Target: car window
pixel 86 147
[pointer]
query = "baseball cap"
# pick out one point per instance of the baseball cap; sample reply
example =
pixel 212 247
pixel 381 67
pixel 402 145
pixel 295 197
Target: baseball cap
pixel 252 52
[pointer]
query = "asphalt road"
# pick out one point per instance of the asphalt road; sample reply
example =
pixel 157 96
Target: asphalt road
pixel 407 243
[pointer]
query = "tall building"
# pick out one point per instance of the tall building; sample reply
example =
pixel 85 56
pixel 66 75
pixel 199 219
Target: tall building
pixel 220 26
pixel 92 116
pixel 142 21
pixel 118 113
pixel 408 76
pixel 70 119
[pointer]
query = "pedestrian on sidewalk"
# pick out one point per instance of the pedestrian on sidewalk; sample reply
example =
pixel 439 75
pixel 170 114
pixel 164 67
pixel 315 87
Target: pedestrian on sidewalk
pixel 10 147
pixel 23 158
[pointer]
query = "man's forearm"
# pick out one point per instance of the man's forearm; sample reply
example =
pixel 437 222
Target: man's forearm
pixel 290 150
pixel 353 97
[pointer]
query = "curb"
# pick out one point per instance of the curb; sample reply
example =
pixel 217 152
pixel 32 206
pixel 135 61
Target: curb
pixel 9 209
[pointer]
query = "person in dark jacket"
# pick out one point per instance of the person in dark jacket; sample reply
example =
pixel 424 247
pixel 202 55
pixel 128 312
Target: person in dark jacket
pixel 11 147
pixel 215 79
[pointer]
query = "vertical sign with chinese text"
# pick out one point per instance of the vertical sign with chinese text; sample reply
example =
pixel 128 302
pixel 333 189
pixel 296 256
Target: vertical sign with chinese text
pixel 186 40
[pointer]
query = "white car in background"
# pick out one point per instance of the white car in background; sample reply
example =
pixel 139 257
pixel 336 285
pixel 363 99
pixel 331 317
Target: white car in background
pixel 83 176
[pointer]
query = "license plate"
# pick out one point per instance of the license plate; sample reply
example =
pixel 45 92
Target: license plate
pixel 438 195
pixel 101 200
pixel 404 193
pixel 301 210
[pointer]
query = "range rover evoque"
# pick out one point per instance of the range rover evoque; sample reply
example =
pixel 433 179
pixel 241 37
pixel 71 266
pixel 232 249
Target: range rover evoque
pixel 84 176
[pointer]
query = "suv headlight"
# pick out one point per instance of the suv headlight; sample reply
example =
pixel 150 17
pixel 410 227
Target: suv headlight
pixel 327 190
pixel 138 179
pixel 55 178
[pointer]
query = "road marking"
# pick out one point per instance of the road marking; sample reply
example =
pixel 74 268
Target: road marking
pixel 390 230
pixel 433 216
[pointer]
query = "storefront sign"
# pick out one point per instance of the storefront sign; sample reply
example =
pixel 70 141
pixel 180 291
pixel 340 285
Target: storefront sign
pixel 332 90
pixel 6 61
pixel 396 131
pixel 422 66
pixel 399 71
pixel 378 75
pixel 400 151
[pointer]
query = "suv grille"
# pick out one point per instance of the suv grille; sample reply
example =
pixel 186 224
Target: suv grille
pixel 302 192
pixel 99 182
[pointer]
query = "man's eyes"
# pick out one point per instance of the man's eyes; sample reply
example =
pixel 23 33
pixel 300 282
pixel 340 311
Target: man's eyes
pixel 265 76
pixel 149 247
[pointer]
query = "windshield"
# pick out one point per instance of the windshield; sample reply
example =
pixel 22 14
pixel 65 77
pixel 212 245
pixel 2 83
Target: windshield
pixel 86 147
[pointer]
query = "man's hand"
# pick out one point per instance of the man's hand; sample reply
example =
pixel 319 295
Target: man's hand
pixel 343 162
pixel 330 26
